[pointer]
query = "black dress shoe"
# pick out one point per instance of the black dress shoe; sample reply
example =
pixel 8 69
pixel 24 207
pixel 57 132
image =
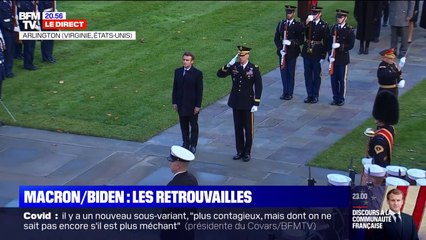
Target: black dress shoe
pixel 307 100
pixel 10 75
pixel 193 149
pixel 31 68
pixel 333 103
pixel 288 97
pixel 314 100
pixel 246 158
pixel 237 156
pixel 282 97
pixel 49 60
pixel 341 103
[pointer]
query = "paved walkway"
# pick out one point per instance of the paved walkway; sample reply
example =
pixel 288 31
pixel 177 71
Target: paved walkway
pixel 288 134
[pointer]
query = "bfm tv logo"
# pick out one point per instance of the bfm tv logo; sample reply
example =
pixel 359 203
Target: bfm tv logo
pixel 50 21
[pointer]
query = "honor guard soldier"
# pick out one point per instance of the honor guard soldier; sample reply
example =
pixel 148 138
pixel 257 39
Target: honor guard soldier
pixel 343 40
pixel 388 73
pixel 386 113
pixel 314 52
pixel 243 99
pixel 10 28
pixel 28 45
pixel 47 45
pixel 288 38
pixel 179 161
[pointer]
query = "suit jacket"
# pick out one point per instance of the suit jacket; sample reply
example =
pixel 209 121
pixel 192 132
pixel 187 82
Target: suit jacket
pixel 183 179
pixel 346 37
pixel 398 11
pixel 243 96
pixel 294 35
pixel 390 230
pixel 187 90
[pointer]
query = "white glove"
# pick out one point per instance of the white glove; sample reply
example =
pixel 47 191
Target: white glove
pixel 321 61
pixel 401 84
pixel 286 42
pixel 233 60
pixel 331 59
pixel 253 109
pixel 369 132
pixel 402 62
pixel 310 18
pixel 282 53
pixel 16 29
pixel 335 45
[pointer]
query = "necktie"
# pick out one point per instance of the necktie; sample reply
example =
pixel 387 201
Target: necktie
pixel 184 72
pixel 398 222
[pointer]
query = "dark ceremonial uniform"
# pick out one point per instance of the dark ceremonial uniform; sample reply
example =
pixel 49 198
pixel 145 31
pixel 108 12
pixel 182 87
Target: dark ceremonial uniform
pixel 380 146
pixel 47 45
pixel 241 99
pixel 294 34
pixel 29 45
pixel 389 76
pixel 7 18
pixel 346 37
pixel 314 49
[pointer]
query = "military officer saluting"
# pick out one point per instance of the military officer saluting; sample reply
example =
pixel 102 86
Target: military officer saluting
pixel 243 99
pixel 314 52
pixel 343 40
pixel 288 38
pixel 386 113
pixel 388 73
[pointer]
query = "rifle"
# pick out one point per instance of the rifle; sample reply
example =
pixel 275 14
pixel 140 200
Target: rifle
pixel 15 19
pixel 284 46
pixel 54 6
pixel 333 53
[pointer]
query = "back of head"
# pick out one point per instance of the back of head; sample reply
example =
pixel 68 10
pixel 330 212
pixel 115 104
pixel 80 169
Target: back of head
pixel 386 108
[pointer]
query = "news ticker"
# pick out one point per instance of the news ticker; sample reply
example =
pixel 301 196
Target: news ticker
pixel 55 26
pixel 248 212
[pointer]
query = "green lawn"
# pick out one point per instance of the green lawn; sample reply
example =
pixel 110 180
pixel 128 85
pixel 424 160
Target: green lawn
pixel 409 142
pixel 121 89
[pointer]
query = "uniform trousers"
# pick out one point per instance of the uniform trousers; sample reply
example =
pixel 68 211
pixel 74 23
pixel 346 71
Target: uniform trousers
pixel 312 68
pixel 9 54
pixel 338 82
pixel 244 127
pixel 29 47
pixel 287 75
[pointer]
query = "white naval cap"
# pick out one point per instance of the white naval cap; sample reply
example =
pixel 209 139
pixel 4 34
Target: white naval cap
pixel 394 181
pixel 178 153
pixel 338 179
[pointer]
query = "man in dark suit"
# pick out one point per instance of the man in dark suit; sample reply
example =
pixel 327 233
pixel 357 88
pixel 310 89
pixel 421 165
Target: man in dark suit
pixel 186 99
pixel 343 40
pixel 288 38
pixel 244 99
pixel 179 161
pixel 402 226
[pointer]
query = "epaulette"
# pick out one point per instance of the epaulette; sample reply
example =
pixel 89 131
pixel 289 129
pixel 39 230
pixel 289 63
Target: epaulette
pixel 256 66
